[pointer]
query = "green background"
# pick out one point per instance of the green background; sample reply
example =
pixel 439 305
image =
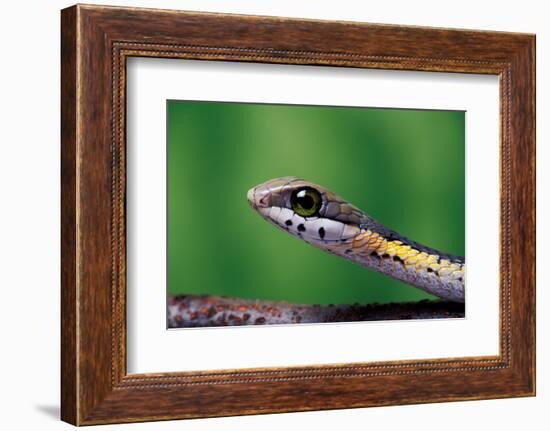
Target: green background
pixel 406 168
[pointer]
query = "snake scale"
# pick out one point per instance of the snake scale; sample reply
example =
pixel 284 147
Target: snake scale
pixel 323 219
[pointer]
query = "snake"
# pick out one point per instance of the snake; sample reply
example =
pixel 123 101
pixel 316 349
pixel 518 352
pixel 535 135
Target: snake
pixel 321 218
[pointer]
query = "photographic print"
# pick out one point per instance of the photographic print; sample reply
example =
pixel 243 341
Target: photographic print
pixel 286 214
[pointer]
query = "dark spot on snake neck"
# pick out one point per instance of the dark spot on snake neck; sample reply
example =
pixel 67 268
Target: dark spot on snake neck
pixel 349 250
pixel 288 222
pixel 429 270
pixel 301 227
pixel 375 255
pixel 385 255
pixel 322 232
pixel 397 259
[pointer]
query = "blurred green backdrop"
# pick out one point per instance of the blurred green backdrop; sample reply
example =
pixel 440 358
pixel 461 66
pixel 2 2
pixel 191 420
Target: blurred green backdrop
pixel 406 168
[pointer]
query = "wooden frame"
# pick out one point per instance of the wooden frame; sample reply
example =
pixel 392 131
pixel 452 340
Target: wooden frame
pixel 96 41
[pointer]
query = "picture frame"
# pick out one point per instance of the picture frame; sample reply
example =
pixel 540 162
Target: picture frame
pixel 96 42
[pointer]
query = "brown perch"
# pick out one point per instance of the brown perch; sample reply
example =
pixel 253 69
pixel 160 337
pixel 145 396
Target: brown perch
pixel 188 311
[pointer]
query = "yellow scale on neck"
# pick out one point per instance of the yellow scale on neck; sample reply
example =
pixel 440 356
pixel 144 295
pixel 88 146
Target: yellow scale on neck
pixel 368 242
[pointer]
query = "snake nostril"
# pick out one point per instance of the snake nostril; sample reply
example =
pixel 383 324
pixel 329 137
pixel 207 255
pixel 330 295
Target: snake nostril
pixel 264 201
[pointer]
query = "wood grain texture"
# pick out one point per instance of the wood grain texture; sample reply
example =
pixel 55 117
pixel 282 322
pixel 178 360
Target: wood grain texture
pixel 96 41
pixel 69 397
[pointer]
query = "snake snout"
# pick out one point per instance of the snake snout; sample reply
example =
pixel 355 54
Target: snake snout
pixel 250 197
pixel 259 198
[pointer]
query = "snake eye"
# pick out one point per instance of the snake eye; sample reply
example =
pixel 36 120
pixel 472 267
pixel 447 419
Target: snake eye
pixel 306 201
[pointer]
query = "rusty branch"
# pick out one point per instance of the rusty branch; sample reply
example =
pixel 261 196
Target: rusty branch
pixel 189 311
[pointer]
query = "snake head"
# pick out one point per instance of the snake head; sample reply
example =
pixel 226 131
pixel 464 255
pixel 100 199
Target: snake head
pixel 306 210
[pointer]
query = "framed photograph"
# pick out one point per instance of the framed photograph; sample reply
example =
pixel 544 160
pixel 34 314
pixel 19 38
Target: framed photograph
pixel 280 206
